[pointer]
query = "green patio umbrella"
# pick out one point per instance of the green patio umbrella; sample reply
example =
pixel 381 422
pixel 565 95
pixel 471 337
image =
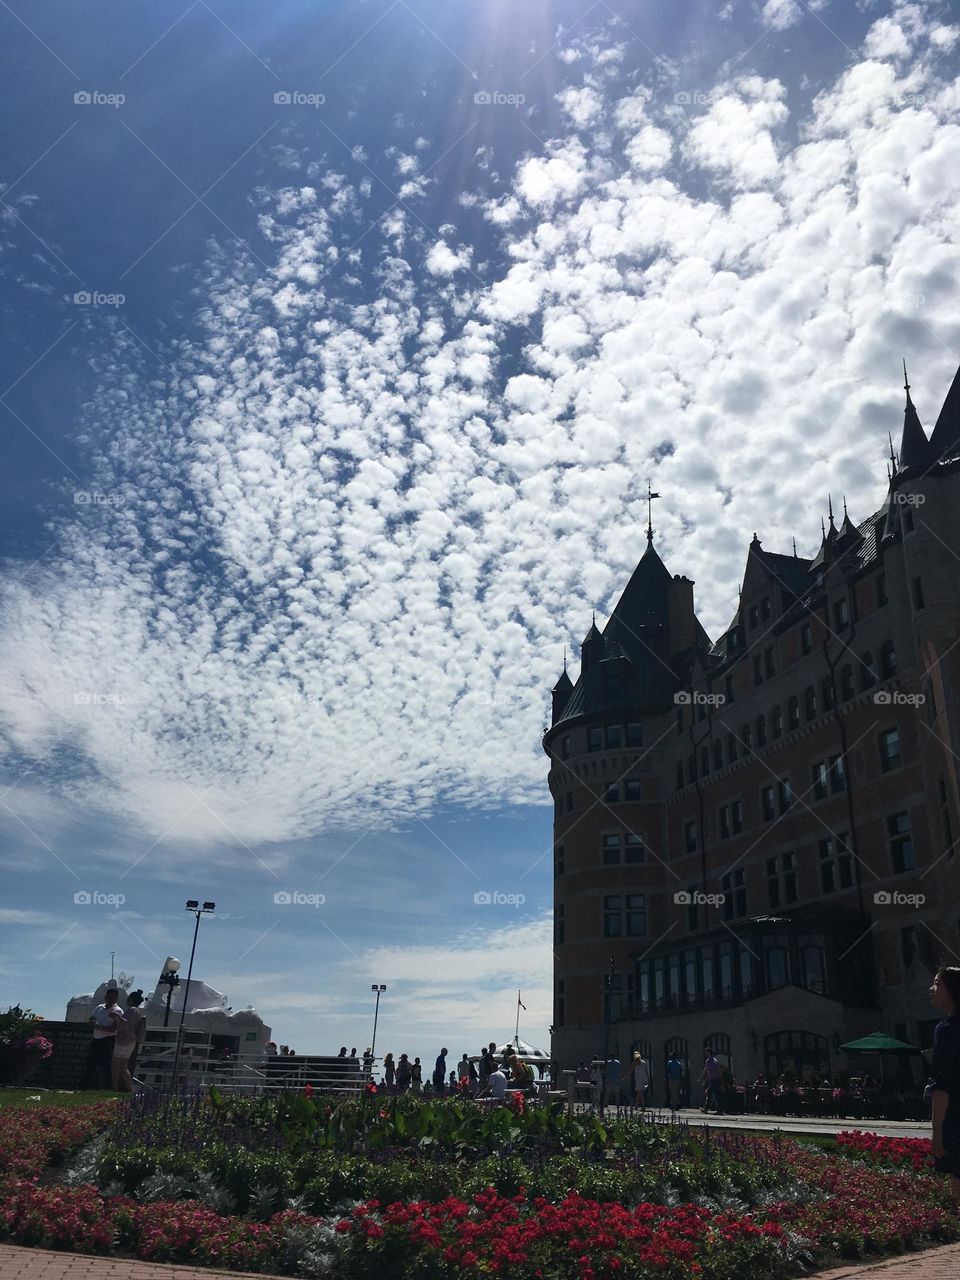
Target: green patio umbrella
pixel 880 1043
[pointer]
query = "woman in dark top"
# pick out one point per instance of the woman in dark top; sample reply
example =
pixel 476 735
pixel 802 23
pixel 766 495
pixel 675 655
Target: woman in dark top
pixel 945 1074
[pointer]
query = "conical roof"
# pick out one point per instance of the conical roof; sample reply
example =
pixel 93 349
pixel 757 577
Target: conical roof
pixel 945 441
pixel 914 445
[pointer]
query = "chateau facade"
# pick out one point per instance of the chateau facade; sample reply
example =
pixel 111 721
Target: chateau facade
pixel 754 839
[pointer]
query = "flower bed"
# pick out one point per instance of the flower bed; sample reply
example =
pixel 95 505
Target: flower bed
pixel 915 1152
pixel 362 1191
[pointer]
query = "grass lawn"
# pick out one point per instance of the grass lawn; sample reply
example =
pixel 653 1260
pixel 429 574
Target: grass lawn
pixel 53 1097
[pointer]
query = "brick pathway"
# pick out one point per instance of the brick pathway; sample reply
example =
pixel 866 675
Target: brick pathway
pixel 40 1264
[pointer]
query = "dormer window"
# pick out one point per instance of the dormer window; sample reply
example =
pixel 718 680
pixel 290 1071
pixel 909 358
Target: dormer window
pixel 753 617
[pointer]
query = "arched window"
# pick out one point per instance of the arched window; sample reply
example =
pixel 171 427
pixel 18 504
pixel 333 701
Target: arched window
pixel 692 768
pixel 776 723
pixel 810 702
pixel 888 660
pixel 761 731
pixel 718 1044
pixel 793 712
pixel 745 736
pixel 731 748
pixel 829 698
pixel 868 677
pixel 799 1053
pixel 718 754
pixel 846 682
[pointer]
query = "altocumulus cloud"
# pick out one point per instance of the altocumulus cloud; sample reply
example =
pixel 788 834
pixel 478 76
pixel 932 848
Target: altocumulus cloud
pixel 351 531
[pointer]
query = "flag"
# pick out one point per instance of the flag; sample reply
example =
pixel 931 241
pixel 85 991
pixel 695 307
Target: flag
pixel 520 1003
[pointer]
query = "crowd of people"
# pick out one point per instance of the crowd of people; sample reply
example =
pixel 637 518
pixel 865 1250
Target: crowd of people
pixel 485 1075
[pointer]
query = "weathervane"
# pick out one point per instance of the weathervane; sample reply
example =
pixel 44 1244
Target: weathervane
pixel 650 497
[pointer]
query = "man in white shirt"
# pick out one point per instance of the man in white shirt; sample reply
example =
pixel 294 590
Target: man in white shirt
pixel 106 1018
pixel 496 1085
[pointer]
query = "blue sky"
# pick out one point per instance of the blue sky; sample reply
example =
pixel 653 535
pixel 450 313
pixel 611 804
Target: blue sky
pixel 339 341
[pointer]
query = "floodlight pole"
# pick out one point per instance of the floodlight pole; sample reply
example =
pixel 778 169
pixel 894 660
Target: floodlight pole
pixel 377 987
pixel 198 911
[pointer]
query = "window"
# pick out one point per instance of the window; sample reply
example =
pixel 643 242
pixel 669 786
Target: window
pixel 773 883
pixel 829 699
pixel 868 676
pixel 917 593
pixel 761 731
pixel 612 685
pixel 837 775
pixel 594 739
pixel 736 816
pixel 810 702
pixel 559 922
pixel 841 615
pixel 784 794
pixel 612 916
pixel 611 849
pixel 881 584
pixel 728 687
pixel 899 833
pixel 690 835
pixel 565 747
pixel 612 793
pixel 614 735
pixel 890 750
pixel 813 966
pixel 768 666
pixel 806 639
pixel 836 864
pixel 735 894
pixel 788 864
pixel 765 608
pixel 559 862
pixel 776 954
pixel 636 915
pixel 758 668
pixel 569 801
pixel 632 789
pixel 634 849
pixel 635 734
pixel 724 822
pixel 888 660
pixel 819 773
pixel 717 754
pixel 793 713
pixel 731 748
pixel 776 723
pixel 766 804
pixel 846 682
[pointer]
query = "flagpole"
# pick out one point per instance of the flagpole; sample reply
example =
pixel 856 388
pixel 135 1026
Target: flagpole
pixel 516 1034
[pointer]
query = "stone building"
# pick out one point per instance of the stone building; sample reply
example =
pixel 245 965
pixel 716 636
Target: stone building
pixel 754 839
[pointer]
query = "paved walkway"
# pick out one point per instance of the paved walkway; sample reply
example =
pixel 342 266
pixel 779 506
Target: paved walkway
pixel 797 1124
pixel 41 1264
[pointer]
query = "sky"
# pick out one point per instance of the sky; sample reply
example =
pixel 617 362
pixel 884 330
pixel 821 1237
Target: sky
pixel 340 341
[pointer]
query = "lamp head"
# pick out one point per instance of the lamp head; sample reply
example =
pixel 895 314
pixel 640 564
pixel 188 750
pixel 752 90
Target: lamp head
pixel 171 964
pixel 209 906
pixel 192 904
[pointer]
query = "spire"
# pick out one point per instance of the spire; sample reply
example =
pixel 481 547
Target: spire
pixel 833 528
pixel 794 548
pixel 848 529
pixel 945 441
pixel 914 446
pixel 650 497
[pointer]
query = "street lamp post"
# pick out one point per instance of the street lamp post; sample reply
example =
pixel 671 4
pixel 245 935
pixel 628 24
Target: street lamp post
pixel 198 910
pixel 608 1010
pixel 378 987
pixel 170 978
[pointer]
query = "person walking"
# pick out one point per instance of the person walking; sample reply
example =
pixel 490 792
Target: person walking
pixel 674 1080
pixel 416 1076
pixel 487 1066
pixel 945 1076
pixel 710 1079
pixel 404 1073
pixel 126 1043
pixel 106 1019
pixel 463 1071
pixel 440 1072
pixel 640 1079
pixel 389 1072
